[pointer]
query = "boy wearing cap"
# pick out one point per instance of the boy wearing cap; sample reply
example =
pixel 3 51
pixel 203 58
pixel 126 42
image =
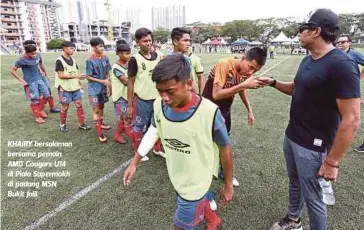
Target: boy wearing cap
pixel 68 84
pixel 324 118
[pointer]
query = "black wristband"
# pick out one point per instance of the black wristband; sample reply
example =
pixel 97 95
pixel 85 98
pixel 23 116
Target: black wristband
pixel 273 83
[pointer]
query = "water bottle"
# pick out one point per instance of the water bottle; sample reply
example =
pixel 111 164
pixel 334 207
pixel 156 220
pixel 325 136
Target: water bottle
pixel 326 191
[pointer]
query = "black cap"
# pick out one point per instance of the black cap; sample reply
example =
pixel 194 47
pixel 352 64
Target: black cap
pixel 325 18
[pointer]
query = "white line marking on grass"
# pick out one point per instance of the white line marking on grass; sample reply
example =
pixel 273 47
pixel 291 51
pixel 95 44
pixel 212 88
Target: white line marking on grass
pixel 272 67
pixel 281 75
pixel 77 196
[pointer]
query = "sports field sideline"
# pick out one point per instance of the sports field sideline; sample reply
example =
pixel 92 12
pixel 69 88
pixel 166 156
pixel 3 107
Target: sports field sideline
pixel 93 197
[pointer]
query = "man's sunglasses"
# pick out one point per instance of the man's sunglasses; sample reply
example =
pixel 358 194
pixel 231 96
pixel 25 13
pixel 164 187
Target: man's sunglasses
pixel 342 42
pixel 306 27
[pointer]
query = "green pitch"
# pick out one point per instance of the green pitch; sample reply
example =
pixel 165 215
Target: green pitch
pixel 149 202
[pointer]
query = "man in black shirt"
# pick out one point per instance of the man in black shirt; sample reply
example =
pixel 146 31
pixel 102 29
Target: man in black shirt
pixel 324 118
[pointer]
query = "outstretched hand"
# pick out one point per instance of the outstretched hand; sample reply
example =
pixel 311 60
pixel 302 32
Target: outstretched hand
pixel 266 80
pixel 253 83
pixel 128 174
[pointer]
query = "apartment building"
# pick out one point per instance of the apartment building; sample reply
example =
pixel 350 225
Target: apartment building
pixel 28 19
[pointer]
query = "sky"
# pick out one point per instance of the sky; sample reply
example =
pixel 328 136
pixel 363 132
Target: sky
pixel 227 10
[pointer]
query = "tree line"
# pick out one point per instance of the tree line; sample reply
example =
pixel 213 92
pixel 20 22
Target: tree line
pixel 260 29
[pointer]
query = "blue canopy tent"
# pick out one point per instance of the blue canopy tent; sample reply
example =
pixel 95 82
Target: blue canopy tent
pixel 240 42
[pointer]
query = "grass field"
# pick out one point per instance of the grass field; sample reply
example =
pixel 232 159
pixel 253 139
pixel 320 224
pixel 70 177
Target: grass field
pixel 149 202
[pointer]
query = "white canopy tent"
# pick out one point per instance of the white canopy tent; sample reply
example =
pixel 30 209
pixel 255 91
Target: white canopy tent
pixel 281 38
pixel 222 40
pixel 292 41
pixel 296 39
pixel 288 43
pixel 207 41
pixel 255 43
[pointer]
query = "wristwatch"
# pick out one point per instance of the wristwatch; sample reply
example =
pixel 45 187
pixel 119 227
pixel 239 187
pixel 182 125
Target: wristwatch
pixel 273 83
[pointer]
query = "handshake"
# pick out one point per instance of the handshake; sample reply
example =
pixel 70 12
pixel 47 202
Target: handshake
pixel 257 82
pixel 79 76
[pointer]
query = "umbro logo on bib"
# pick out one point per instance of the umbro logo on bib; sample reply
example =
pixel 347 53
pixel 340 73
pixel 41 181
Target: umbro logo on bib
pixel 176 143
pixel 178 146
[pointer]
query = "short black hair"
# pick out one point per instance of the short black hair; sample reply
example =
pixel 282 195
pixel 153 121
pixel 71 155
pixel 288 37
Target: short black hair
pixel 68 44
pixel 330 35
pixel 122 46
pixel 142 32
pixel 120 42
pixel 348 36
pixel 29 42
pixel 96 41
pixel 178 32
pixel 258 54
pixel 30 48
pixel 174 66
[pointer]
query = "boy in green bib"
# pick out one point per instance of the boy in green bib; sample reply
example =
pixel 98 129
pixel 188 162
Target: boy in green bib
pixel 197 71
pixel 119 84
pixel 181 40
pixel 193 133
pixel 67 81
pixel 141 88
